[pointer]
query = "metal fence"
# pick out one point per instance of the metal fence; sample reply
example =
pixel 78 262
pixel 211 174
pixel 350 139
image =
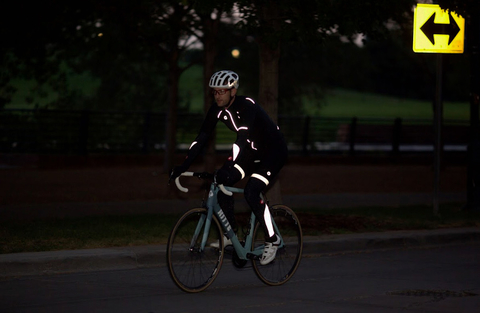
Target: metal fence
pixel 113 132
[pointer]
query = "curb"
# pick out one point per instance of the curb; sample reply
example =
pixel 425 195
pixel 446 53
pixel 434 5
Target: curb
pixel 76 261
pixel 392 239
pixel 71 261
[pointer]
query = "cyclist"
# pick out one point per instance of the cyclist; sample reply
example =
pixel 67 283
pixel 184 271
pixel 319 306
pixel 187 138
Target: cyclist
pixel 258 153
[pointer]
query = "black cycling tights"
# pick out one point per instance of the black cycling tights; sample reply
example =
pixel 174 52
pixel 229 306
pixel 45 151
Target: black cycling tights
pixel 252 192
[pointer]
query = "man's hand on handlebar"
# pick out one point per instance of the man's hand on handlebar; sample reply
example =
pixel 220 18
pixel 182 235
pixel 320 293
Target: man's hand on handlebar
pixel 221 176
pixel 202 175
pixel 176 172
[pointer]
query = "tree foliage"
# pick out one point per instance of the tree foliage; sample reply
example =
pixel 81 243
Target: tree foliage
pixel 123 44
pixel 132 58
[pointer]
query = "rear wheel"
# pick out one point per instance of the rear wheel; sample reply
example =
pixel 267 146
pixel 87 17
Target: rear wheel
pixel 192 268
pixel 288 257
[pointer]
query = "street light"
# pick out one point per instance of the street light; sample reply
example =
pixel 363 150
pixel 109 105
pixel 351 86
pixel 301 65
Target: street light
pixel 235 53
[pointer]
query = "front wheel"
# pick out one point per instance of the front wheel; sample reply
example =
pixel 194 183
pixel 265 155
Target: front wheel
pixel 192 267
pixel 288 257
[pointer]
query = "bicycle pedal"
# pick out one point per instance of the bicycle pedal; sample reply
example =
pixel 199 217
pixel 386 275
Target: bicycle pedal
pixel 252 256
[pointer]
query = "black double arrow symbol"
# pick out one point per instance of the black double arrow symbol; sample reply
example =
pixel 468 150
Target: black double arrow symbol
pixel 430 29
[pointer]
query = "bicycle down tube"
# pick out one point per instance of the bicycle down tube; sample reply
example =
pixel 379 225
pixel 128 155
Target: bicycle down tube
pixel 242 251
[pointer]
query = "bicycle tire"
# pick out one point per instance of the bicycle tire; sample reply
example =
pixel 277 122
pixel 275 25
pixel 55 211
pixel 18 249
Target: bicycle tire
pixel 288 257
pixel 193 270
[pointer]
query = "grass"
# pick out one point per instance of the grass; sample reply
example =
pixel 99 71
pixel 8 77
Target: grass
pixel 132 230
pixel 343 103
pixel 83 83
pixel 84 233
pixel 375 219
pixel 346 103
pixel 337 102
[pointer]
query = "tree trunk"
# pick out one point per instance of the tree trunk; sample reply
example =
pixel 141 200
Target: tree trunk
pixel 269 50
pixel 268 89
pixel 210 53
pixel 268 98
pixel 171 117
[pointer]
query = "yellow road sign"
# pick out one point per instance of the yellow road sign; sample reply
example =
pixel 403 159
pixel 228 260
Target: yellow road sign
pixel 436 30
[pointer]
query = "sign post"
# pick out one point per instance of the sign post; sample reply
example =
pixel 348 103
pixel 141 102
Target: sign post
pixel 437 31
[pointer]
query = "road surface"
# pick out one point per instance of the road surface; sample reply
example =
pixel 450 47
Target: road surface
pixel 434 279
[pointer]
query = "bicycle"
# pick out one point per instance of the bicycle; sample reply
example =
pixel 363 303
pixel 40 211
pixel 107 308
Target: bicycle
pixel 193 264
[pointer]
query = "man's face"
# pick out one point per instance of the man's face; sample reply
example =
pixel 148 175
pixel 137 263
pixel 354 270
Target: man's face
pixel 223 96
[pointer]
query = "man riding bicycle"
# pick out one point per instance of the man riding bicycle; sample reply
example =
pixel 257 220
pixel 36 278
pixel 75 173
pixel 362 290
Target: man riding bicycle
pixel 258 153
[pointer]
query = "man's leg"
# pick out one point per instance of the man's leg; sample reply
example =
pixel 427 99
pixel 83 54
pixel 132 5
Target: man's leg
pixel 228 176
pixel 255 185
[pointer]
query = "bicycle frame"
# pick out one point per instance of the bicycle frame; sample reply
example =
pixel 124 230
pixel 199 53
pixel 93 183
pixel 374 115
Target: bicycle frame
pixel 243 252
pixel 194 262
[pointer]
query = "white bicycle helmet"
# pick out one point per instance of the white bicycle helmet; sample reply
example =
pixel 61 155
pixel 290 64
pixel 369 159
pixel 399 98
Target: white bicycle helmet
pixel 224 79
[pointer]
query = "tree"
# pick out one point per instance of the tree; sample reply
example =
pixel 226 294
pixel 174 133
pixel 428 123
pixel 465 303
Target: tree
pixel 171 28
pixel 272 22
pixel 210 14
pixel 30 42
pixel 100 38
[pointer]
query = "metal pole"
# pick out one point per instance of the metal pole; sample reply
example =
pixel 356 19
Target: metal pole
pixel 438 132
pixel 473 167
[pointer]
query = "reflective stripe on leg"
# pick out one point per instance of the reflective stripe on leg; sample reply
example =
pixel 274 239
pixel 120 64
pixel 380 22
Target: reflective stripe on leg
pixel 268 221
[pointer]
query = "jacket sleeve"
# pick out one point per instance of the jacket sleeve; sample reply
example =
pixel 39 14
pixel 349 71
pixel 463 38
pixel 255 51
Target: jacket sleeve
pixel 243 133
pixel 202 138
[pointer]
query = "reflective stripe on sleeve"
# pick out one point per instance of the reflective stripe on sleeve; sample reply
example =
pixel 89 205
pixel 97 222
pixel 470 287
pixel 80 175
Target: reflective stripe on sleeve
pixel 258 176
pixel 240 169
pixel 236 151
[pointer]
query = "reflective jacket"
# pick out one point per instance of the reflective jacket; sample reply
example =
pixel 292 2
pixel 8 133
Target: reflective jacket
pixel 254 128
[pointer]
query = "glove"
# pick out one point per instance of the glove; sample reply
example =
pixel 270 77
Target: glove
pixel 222 176
pixel 177 171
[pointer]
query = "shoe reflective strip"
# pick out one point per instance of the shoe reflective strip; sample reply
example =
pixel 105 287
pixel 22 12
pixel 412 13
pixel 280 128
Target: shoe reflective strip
pixel 268 221
pixel 257 176
pixel 193 143
pixel 240 170
pixel 236 151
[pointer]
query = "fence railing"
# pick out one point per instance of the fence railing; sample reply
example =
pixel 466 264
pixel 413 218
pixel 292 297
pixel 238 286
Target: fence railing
pixel 112 132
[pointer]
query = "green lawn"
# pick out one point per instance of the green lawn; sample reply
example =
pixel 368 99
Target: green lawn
pixel 83 83
pixel 337 102
pixel 343 103
pixel 143 229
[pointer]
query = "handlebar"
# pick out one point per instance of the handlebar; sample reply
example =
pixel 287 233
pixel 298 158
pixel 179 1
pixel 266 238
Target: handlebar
pixel 203 175
pixel 225 191
pixel 177 181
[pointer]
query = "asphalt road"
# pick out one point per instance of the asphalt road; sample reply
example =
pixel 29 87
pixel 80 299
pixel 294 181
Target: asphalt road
pixel 424 279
